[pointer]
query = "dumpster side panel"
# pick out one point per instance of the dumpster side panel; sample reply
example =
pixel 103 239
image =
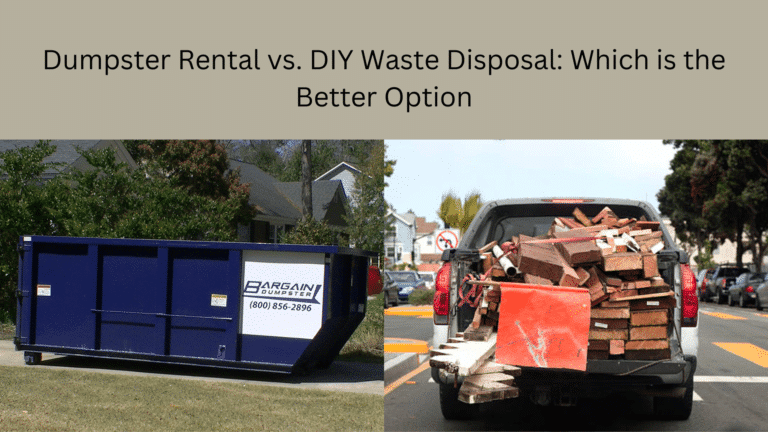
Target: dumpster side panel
pixel 132 294
pixel 204 300
pixel 65 285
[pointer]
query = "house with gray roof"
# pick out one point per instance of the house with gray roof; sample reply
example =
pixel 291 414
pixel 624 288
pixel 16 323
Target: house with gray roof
pixel 278 204
pixel 67 153
pixel 348 175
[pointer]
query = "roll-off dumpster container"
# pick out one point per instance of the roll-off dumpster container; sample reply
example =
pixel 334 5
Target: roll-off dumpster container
pixel 267 307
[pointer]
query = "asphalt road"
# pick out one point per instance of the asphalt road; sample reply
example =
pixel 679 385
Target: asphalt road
pixel 730 387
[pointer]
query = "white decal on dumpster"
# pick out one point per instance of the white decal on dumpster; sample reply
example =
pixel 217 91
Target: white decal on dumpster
pixel 219 300
pixel 282 293
pixel 43 290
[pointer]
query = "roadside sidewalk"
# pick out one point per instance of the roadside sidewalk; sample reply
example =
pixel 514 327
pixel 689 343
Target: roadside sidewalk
pixel 340 376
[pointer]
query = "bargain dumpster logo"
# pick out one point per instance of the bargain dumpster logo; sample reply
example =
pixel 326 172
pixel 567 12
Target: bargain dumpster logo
pixel 286 291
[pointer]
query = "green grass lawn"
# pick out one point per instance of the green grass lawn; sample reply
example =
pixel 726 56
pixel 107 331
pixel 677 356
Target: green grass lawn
pixel 367 342
pixel 42 399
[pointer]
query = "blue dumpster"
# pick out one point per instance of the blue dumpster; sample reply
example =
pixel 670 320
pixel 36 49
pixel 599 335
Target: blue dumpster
pixel 266 307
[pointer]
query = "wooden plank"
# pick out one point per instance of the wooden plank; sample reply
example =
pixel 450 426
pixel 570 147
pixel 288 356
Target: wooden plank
pixel 615 334
pixel 611 313
pixel 617 347
pixel 472 394
pixel 647 333
pixel 597 323
pixel 481 333
pixel 648 296
pixel 467 356
pixel 623 261
pixel 661 303
pixel 581 217
pixel 491 367
pixel 649 317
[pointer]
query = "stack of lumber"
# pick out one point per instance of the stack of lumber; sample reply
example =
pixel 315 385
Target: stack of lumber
pixel 471 357
pixel 615 259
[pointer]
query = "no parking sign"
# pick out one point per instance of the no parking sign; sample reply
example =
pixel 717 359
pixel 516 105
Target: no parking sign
pixel 447 240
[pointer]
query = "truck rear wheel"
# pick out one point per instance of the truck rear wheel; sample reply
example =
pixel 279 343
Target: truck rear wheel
pixel 452 407
pixel 675 408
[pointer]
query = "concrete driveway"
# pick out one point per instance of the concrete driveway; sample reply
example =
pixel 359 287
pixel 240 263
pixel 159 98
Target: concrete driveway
pixel 340 376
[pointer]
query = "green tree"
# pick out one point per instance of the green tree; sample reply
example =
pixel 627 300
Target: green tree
pixel 113 201
pixel 727 196
pixel 24 210
pixel 367 220
pixel 456 214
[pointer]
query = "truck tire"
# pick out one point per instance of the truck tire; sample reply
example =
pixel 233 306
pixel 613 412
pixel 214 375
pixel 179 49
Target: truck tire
pixel 731 303
pixel 742 301
pixel 719 297
pixel 386 300
pixel 32 358
pixel 667 408
pixel 758 306
pixel 452 407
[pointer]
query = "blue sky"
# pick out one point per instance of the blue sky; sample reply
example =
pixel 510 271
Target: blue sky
pixel 425 170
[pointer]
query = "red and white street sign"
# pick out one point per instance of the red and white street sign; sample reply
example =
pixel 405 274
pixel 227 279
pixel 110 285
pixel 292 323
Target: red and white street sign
pixel 447 240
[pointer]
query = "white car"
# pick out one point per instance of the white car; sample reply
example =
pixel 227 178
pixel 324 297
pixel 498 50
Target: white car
pixel 428 278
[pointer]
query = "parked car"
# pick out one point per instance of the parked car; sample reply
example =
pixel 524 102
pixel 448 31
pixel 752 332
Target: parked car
pixel 761 295
pixel 391 290
pixel 701 282
pixel 406 282
pixel 723 277
pixel 428 278
pixel 743 290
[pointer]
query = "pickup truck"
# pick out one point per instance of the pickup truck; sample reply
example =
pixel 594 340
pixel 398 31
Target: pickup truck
pixel 721 280
pixel 669 381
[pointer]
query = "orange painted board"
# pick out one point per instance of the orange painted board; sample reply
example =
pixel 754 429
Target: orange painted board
pixel 543 326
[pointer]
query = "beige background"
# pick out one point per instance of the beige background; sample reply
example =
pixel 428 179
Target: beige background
pixel 227 104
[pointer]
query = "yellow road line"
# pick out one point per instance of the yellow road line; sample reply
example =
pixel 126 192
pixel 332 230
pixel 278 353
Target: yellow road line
pixel 424 366
pixel 404 345
pixel 761 314
pixel 748 351
pixel 416 312
pixel 723 315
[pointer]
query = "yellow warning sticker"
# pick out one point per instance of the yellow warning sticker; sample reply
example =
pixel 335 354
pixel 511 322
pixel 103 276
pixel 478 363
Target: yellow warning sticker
pixel 218 300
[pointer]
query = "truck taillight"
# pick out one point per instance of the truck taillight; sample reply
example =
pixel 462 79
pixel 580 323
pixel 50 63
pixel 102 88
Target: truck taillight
pixel 723 282
pixel 690 299
pixel 442 300
pixel 750 289
pixel 704 285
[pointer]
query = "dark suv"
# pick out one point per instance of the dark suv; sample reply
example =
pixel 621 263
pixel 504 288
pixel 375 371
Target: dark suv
pixel 721 280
